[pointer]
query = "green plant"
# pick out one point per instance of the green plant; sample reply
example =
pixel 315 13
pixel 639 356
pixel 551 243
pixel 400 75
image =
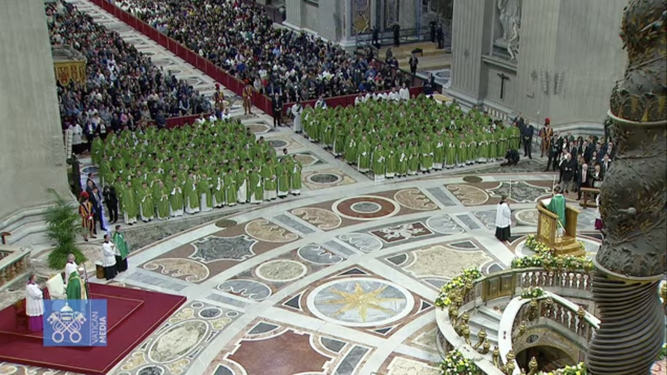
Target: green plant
pixel 663 352
pixel 456 285
pixel 532 292
pixel 62 227
pixel 456 363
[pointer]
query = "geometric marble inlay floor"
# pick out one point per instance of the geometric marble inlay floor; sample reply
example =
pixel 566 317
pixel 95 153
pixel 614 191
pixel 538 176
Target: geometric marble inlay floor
pixel 341 280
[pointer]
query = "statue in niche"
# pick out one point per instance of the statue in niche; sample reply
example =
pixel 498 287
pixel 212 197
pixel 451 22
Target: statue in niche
pixel 510 15
pixel 513 43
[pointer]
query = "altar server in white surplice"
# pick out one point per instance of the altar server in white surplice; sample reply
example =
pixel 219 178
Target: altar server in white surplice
pixel 70 266
pixel 34 301
pixel 297 110
pixel 109 258
pixel 503 220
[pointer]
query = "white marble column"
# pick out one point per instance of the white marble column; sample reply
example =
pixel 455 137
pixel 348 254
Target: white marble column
pixel 31 141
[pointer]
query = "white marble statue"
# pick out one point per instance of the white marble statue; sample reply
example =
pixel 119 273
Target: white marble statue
pixel 510 13
pixel 513 43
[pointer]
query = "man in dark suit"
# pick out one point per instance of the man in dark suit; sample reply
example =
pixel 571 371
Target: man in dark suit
pixel 605 165
pixel 527 133
pixel 583 179
pixel 511 158
pixel 568 167
pixel 96 201
pixel 397 35
pixel 587 148
pixel 111 201
pixel 277 104
pixel 556 145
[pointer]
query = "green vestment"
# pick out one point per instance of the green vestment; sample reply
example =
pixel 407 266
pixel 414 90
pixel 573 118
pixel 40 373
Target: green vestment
pixel 76 287
pixel 557 206
pixel 119 241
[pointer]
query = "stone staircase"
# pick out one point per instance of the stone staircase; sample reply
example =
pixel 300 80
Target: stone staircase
pixel 568 246
pixel 487 318
pixel 26 227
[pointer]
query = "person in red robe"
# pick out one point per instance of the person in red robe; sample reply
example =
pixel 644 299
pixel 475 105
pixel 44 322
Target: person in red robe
pixel 87 217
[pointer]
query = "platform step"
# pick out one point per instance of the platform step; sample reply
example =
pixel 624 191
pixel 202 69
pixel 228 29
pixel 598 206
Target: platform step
pixel 490 313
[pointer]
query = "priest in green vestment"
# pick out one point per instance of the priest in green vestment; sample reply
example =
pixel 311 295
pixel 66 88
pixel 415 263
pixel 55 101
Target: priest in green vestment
pixel 256 189
pixel 426 155
pixel 269 179
pixel 218 189
pixel 122 250
pixel 175 197
pixel 191 195
pixel 205 193
pixel 413 158
pixel 161 197
pixel 401 160
pixel 231 190
pixel 295 179
pixel 379 165
pixel 364 155
pixel 557 206
pixel 284 175
pixel 128 204
pixel 146 202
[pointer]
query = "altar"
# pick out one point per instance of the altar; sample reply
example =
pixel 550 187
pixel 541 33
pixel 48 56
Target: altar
pixel 547 230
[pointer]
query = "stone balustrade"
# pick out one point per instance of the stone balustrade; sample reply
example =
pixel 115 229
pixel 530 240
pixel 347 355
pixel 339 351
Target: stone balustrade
pixel 508 284
pixel 14 263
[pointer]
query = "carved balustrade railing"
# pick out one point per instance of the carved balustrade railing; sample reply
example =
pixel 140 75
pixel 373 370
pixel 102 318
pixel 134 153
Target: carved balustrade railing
pixel 509 283
pixel 566 315
pixel 14 263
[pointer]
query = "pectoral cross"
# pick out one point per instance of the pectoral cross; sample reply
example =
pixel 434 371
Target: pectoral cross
pixel 503 78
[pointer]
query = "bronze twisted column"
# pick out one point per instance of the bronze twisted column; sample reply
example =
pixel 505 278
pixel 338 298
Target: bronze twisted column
pixel 633 204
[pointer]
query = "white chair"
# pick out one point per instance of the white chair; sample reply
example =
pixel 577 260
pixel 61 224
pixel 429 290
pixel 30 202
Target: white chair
pixel 56 287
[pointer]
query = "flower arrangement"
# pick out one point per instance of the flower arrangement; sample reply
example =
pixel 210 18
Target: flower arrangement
pixel 663 352
pixel 532 292
pixel 549 262
pixel 456 285
pixel 578 369
pixel 539 247
pixel 455 363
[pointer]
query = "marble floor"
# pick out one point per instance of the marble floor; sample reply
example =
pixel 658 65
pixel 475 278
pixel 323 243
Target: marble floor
pixel 338 281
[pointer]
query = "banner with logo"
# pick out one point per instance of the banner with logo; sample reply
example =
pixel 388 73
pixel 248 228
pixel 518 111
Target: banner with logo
pixel 75 322
pixel 73 71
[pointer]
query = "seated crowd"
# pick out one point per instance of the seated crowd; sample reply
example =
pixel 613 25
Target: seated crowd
pixel 211 164
pixel 123 89
pixel 241 39
pixel 396 138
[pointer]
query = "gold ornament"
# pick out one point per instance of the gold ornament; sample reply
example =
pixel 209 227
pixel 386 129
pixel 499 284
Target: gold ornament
pixel 496 356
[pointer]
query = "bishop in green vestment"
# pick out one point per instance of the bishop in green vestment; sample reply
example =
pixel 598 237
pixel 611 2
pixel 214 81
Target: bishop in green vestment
pixel 557 206
pixel 256 189
pixel 123 251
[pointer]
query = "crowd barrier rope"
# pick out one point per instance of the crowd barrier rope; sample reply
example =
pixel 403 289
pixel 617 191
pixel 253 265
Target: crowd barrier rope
pixel 260 101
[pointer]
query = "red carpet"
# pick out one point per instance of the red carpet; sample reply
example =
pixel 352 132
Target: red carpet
pixel 132 316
